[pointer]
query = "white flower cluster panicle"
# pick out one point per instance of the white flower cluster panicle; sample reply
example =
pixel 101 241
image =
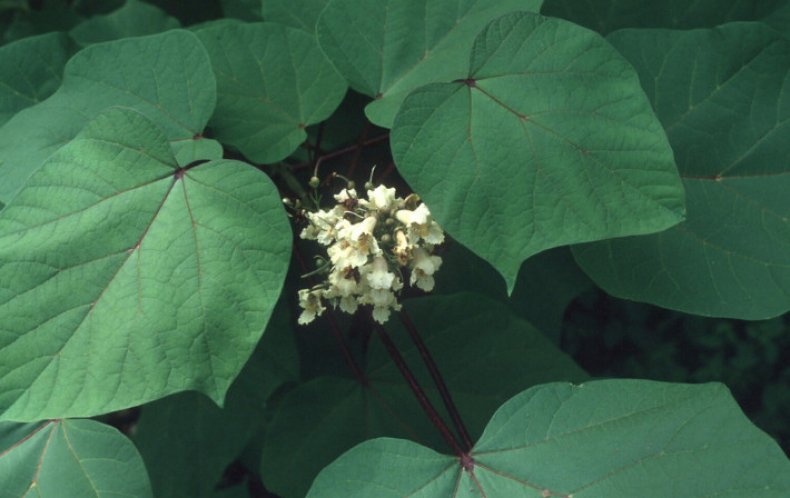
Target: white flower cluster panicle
pixel 370 242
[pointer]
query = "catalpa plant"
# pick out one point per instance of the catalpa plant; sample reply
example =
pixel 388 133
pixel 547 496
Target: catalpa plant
pixel 197 301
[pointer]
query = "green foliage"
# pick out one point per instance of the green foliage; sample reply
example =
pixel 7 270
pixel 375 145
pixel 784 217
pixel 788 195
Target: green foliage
pixel 388 48
pixel 722 95
pixel 542 145
pixel 156 172
pixel 489 368
pixel 606 438
pixel 178 437
pixel 302 14
pixel 60 458
pixel 264 113
pixel 134 18
pixel 606 16
pixel 146 268
pixel 31 70
pixel 167 77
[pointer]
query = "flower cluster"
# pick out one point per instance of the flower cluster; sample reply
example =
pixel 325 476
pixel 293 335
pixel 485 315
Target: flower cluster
pixel 370 243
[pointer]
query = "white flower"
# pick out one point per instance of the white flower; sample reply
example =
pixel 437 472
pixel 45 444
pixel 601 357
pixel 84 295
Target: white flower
pixel 361 230
pixel 420 225
pixel 343 283
pixel 345 254
pixel 348 304
pixel 345 194
pixel 383 302
pixel 361 274
pixel 323 226
pixel 310 300
pixel 355 243
pixel 310 232
pixel 377 274
pixel 381 314
pixel 420 216
pixel 382 198
pixel 402 249
pixel 423 267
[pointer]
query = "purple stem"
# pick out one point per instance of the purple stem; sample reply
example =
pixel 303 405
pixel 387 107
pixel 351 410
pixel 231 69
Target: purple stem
pixel 437 379
pixel 433 415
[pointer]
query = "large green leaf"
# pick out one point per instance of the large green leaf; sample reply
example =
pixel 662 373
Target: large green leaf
pixel 613 439
pixel 302 14
pixel 606 16
pixel 272 82
pixel 485 353
pixel 134 18
pixel 167 77
pixel 387 48
pixel 30 71
pixel 549 141
pixel 723 96
pixel 187 441
pixel 126 278
pixel 69 459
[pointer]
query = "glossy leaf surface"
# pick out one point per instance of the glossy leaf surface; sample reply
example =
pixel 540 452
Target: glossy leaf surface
pixel 613 438
pixel 69 459
pixel 167 77
pixel 550 141
pixel 126 279
pixel 272 82
pixel 723 96
pixel 387 48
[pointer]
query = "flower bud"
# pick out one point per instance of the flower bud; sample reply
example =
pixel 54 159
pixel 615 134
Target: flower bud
pixel 314 182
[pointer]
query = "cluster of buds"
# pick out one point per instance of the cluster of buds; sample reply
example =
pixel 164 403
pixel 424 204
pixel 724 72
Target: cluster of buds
pixel 370 244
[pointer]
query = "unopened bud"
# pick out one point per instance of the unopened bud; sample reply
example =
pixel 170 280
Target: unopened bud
pixel 369 185
pixel 314 182
pixel 287 201
pixel 351 184
pixel 386 237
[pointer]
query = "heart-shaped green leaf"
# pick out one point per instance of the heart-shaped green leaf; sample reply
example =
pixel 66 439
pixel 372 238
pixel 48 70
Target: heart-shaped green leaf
pixel 613 439
pixel 167 77
pixel 126 278
pixel 485 352
pixel 69 459
pixel 387 48
pixel 272 82
pixel 549 141
pixel 30 71
pixel 606 16
pixel 134 18
pixel 723 96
